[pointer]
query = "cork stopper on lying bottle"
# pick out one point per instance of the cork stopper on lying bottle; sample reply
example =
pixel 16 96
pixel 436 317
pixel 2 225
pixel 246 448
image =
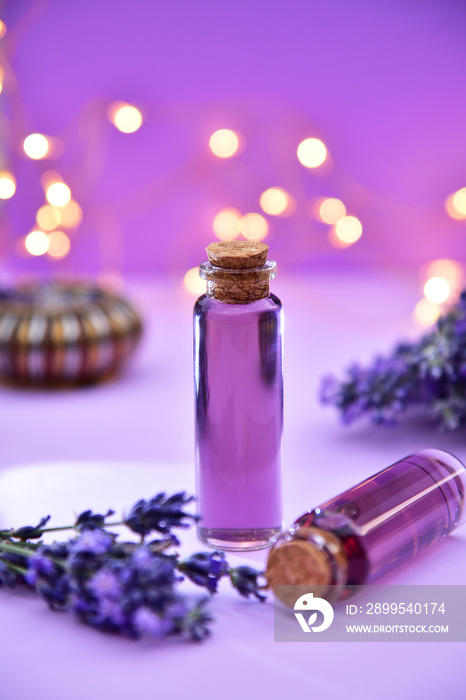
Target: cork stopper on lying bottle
pixel 238 272
pixel 306 557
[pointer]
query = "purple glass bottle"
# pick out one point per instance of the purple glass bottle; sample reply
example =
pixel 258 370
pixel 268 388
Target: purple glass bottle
pixel 374 527
pixel 238 398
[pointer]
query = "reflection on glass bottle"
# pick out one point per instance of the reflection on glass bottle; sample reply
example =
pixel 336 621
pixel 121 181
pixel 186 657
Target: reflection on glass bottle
pixel 268 339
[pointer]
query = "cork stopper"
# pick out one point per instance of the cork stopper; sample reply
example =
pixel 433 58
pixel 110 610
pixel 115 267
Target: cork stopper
pixel 312 559
pixel 238 272
pixel 298 564
pixel 237 255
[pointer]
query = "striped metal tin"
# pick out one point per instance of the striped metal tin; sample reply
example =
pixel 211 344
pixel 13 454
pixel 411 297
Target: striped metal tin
pixel 64 333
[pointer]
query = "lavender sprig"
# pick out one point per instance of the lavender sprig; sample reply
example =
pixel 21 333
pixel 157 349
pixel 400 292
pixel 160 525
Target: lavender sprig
pixel 123 587
pixel 29 532
pixel 430 373
pixel 159 514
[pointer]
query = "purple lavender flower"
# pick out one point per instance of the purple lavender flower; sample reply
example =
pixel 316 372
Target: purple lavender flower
pixel 89 520
pixel 54 589
pixel 110 612
pixel 429 373
pixel 105 584
pixel 176 611
pixel 118 587
pixel 195 624
pixel 87 553
pixel 329 389
pixel 14 559
pixel 104 614
pixel 460 326
pixel 30 532
pixel 159 514
pixel 47 571
pixel 92 542
pixel 142 558
pixel 149 623
pixel 7 577
pixel 245 580
pixel 38 564
pixel 205 569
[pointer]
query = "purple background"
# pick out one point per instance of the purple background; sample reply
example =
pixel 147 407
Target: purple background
pixel 382 84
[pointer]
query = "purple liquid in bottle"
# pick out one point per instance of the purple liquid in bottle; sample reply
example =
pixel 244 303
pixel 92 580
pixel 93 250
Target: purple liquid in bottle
pixel 239 421
pixel 374 527
pixel 390 518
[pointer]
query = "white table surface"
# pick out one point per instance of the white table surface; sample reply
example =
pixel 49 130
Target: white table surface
pixel 107 446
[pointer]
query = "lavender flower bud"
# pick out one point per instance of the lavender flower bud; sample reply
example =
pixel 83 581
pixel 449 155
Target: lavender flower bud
pixel 159 514
pixel 205 569
pixel 245 580
pixel 7 577
pixel 89 520
pixel 29 532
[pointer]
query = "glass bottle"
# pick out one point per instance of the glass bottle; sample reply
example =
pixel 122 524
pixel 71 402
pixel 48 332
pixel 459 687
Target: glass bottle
pixel 374 527
pixel 238 398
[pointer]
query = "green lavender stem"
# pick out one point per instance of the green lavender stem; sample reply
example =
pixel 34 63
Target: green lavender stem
pixel 25 552
pixel 14 567
pixel 73 527
pixel 16 549
pixel 10 533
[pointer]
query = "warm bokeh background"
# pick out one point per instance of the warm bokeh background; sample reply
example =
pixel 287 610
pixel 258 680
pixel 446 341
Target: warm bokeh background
pixel 380 84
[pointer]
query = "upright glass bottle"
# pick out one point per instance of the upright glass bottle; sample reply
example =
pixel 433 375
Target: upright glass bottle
pixel 238 398
pixel 374 527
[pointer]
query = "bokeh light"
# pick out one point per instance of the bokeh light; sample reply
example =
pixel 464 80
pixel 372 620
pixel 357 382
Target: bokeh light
pixel 277 202
pixel 330 210
pixel 2 29
pixel 193 283
pixel 437 290
pixel 7 185
pixel 71 214
pixel 36 146
pixel 456 204
pixel 334 241
pixel 426 313
pixel 2 78
pixel 58 194
pixel 37 243
pixel 450 270
pixel 226 224
pixel 312 152
pixel 224 143
pixel 49 177
pixel 442 280
pixel 459 201
pixel 348 230
pixel 48 217
pixel 254 227
pixel 59 244
pixel 126 118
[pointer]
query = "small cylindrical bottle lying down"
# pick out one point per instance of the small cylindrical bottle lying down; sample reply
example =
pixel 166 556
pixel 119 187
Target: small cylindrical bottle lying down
pixel 372 528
